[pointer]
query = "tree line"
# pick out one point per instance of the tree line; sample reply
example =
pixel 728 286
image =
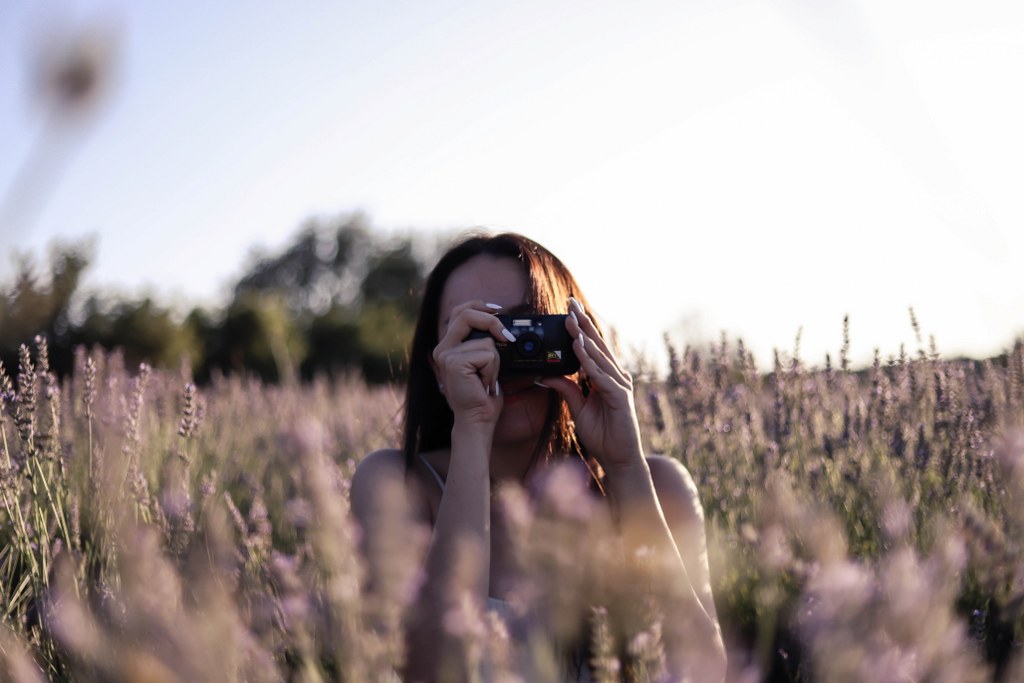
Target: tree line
pixel 338 299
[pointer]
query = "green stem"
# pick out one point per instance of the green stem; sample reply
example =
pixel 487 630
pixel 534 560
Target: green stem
pixel 88 420
pixel 55 505
pixel 22 532
pixel 7 448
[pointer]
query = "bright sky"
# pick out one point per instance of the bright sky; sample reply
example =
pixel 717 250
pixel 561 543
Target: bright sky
pixel 747 166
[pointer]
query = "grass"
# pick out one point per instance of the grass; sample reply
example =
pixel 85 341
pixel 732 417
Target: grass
pixel 862 525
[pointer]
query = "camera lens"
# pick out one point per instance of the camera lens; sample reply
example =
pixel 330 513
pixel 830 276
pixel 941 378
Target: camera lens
pixel 529 345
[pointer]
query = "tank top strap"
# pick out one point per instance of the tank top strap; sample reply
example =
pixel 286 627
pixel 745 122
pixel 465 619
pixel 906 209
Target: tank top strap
pixel 440 481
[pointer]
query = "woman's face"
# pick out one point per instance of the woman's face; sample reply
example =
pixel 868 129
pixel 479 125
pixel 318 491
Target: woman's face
pixel 500 280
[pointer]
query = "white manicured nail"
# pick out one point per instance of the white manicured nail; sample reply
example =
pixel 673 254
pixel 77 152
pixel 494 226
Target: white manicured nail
pixel 583 344
pixel 579 306
pixel 508 335
pixel 495 307
pixel 497 389
pixel 572 314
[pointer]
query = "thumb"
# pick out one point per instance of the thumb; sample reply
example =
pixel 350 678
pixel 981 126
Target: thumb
pixel 567 389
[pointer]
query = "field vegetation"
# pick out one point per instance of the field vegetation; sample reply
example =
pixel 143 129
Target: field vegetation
pixel 863 525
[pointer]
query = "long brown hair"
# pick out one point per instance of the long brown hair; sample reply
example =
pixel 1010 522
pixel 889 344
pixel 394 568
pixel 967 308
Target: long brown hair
pixel 428 419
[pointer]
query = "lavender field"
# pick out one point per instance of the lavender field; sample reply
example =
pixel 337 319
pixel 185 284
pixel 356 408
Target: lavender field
pixel 863 525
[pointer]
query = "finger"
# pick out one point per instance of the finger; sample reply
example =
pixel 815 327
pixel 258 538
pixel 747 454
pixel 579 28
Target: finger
pixel 586 324
pixel 569 390
pixel 475 305
pixel 604 376
pixel 593 347
pixel 475 361
pixel 474 355
pixel 480 354
pixel 448 347
pixel 474 317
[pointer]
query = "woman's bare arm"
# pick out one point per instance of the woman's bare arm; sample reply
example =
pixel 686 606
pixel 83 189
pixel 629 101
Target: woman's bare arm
pixel 681 506
pixel 453 562
pixel 660 519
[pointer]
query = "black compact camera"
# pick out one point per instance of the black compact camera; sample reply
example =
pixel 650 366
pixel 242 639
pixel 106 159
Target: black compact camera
pixel 542 346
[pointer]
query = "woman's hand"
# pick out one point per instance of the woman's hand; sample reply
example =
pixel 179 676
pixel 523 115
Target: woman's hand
pixel 467 369
pixel 606 421
pixel 653 513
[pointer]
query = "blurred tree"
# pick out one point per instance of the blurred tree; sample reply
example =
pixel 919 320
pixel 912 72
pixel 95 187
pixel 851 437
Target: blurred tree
pixel 320 268
pixel 258 334
pixel 337 299
pixel 334 347
pixel 387 317
pixel 385 331
pixel 394 276
pixel 46 305
pixel 353 295
pixel 36 305
pixel 203 327
pixel 147 331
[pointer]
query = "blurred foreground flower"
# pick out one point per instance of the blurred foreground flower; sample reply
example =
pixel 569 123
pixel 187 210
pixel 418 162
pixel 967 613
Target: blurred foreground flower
pixel 71 70
pixel 72 67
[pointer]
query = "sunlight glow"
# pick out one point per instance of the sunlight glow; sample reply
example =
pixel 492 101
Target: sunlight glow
pixel 749 167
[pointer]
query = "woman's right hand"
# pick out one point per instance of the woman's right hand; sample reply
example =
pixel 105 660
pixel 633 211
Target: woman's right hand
pixel 467 369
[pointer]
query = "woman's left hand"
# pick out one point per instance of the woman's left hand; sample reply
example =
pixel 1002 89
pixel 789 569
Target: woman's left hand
pixel 606 421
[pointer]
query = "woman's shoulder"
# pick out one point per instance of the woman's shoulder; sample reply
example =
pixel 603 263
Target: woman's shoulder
pixel 675 486
pixel 383 473
pixel 376 473
pixel 383 462
pixel 385 504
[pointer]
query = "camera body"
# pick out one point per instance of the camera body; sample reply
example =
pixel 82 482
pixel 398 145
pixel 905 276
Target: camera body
pixel 542 346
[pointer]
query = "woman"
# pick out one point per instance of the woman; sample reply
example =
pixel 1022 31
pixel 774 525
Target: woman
pixel 469 431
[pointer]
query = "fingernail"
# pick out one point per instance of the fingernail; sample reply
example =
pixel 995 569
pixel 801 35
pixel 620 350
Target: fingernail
pixel 572 314
pixel 497 389
pixel 578 304
pixel 488 390
pixel 494 307
pixel 541 384
pixel 508 335
pixel 583 344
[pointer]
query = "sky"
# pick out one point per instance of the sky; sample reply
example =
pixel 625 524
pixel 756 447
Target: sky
pixel 759 168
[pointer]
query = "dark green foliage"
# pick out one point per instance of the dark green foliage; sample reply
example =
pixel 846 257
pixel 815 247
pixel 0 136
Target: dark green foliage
pixel 147 331
pixel 32 305
pixel 337 300
pixel 333 340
